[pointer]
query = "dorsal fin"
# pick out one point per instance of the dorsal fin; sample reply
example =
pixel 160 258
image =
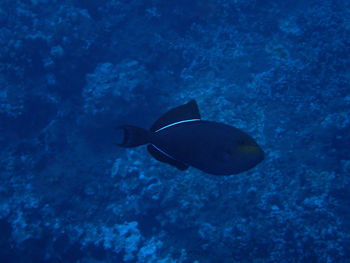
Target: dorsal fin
pixel 188 111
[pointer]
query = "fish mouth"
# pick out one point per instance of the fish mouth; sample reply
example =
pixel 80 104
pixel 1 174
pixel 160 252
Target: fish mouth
pixel 255 152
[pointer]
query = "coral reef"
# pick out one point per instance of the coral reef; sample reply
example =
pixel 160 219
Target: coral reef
pixel 71 71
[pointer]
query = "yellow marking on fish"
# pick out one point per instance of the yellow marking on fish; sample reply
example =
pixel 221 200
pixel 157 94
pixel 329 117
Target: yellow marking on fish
pixel 249 148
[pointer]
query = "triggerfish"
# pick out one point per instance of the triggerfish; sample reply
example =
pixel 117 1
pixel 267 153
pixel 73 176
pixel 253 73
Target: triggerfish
pixel 182 139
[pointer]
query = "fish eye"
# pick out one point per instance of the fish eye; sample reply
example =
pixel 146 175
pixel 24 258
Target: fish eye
pixel 246 142
pixel 228 152
pixel 242 142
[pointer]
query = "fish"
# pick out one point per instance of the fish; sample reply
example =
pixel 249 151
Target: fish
pixel 182 139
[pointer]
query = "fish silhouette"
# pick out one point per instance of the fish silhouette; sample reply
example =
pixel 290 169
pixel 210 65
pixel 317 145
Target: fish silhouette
pixel 182 139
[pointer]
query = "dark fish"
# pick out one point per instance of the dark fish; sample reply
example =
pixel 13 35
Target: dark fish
pixel 180 138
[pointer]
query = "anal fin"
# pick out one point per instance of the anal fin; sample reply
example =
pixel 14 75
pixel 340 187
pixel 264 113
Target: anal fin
pixel 165 158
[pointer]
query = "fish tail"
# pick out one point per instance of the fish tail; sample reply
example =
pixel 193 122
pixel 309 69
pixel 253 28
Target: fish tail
pixel 133 136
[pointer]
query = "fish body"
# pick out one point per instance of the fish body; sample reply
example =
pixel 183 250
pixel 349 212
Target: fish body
pixel 180 138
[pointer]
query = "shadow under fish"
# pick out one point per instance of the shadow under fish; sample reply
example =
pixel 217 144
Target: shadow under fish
pixel 181 139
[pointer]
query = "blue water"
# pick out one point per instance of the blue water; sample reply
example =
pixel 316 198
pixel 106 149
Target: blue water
pixel 71 71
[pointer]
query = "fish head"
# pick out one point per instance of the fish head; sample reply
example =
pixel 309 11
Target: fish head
pixel 246 153
pixel 240 154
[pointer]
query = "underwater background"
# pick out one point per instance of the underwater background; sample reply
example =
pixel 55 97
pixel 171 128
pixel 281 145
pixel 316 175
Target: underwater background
pixel 71 71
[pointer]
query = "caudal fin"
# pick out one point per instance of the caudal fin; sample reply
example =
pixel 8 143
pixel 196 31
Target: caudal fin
pixel 133 136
